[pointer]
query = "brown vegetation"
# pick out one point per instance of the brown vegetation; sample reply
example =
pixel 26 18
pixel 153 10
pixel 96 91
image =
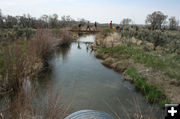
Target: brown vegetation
pixel 66 37
pixel 21 61
pixel 25 106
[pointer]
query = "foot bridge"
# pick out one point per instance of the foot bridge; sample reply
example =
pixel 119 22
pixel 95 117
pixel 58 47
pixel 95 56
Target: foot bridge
pixel 84 31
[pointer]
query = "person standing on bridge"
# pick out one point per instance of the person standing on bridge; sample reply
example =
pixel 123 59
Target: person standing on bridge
pixel 110 24
pixel 80 26
pixel 95 25
pixel 88 26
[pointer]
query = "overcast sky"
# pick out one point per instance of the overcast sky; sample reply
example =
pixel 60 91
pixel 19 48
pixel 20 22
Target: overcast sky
pixel 94 10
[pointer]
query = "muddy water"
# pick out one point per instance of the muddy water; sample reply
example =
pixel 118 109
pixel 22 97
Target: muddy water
pixel 86 84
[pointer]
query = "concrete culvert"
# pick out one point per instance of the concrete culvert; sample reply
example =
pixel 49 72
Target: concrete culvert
pixel 89 114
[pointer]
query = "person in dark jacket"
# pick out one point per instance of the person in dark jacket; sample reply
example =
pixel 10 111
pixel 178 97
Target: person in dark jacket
pixel 79 26
pixel 95 25
pixel 88 26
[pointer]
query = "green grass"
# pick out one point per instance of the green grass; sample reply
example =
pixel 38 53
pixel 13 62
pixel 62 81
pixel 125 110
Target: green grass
pixel 133 73
pixel 140 56
pixel 152 93
pixel 163 102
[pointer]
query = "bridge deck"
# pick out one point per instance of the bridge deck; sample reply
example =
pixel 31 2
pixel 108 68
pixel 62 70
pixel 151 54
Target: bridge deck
pixel 85 31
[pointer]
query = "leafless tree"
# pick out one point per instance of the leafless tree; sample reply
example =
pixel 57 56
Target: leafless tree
pixel 156 19
pixel 53 20
pixel 66 21
pixel 45 19
pixel 1 19
pixel 173 23
pixel 10 21
pixel 82 21
pixel 126 22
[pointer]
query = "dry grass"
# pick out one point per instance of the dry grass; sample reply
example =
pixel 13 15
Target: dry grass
pixel 41 44
pixel 66 37
pixel 138 113
pixel 19 64
pixel 24 106
pixel 52 106
pixel 14 65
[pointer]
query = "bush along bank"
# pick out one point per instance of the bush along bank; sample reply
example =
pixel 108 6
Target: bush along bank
pixel 23 60
pixel 144 69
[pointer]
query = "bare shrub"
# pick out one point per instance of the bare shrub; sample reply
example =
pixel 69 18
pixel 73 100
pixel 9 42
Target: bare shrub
pixel 14 62
pixel 21 64
pixel 48 106
pixel 66 37
pixel 40 44
pixel 52 106
pixel 149 113
pixel 18 64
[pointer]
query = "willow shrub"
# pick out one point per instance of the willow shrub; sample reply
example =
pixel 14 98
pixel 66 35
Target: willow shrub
pixel 157 37
pixel 128 32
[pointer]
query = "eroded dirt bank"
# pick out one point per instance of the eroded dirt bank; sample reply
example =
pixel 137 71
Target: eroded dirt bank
pixel 134 60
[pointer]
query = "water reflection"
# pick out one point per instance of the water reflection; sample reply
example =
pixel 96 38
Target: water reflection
pixel 63 51
pixel 79 47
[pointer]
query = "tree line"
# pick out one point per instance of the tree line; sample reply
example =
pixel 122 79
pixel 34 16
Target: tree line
pixel 156 21
pixel 45 21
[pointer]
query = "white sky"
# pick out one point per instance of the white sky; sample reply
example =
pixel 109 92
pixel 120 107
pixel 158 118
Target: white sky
pixel 94 10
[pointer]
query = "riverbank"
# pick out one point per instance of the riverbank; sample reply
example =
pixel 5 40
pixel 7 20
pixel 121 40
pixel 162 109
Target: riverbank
pixel 146 69
pixel 21 62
